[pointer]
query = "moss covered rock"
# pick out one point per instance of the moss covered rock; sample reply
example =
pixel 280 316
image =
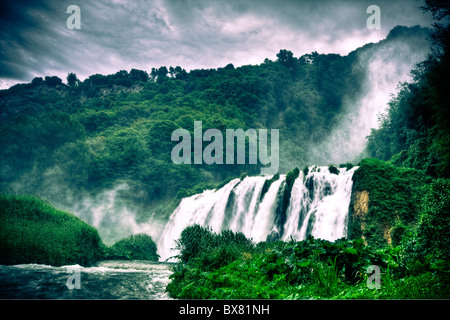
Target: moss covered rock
pixel 384 197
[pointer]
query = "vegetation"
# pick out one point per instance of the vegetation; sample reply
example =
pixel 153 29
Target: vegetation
pixel 64 141
pixel 395 200
pixel 134 247
pixel 406 226
pixel 228 266
pixel 33 231
pixel 87 136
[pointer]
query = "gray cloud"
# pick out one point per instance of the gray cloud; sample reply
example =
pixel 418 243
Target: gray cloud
pixel 120 35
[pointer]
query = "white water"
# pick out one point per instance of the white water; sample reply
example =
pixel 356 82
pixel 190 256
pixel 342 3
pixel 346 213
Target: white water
pixel 318 206
pixel 105 280
pixel 323 209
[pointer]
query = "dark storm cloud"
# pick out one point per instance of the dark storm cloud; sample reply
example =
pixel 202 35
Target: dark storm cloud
pixel 120 35
pixel 15 25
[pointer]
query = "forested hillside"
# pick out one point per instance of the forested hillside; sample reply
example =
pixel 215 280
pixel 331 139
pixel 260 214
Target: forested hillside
pixel 65 140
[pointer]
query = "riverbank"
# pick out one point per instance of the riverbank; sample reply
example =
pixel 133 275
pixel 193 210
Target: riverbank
pixel 35 232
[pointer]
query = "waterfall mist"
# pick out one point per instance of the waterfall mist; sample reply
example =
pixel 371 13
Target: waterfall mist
pixel 115 216
pixel 386 65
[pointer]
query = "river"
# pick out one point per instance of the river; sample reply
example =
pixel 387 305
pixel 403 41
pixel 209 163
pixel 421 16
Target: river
pixel 104 280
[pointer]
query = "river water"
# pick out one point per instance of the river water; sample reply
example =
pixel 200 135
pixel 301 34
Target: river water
pixel 105 280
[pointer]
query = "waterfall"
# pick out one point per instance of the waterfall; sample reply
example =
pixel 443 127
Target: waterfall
pixel 317 206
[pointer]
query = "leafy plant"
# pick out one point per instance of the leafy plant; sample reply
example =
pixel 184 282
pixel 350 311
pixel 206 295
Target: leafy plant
pixel 326 275
pixel 135 247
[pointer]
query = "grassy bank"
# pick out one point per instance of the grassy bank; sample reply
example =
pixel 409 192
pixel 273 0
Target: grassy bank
pixel 229 266
pixel 33 231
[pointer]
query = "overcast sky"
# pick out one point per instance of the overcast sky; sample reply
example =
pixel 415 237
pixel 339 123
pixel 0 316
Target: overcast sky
pixel 123 34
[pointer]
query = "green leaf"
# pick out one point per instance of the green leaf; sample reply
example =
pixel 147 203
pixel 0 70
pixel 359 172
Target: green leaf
pixel 351 250
pixel 303 263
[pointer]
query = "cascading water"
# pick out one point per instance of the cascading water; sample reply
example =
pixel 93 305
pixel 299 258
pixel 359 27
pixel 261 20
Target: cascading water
pixel 318 206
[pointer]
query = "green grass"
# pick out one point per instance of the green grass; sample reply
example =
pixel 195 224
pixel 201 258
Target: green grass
pixel 309 269
pixel 33 231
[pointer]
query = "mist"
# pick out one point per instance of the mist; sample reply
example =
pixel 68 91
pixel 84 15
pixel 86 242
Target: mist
pixel 115 215
pixel 385 66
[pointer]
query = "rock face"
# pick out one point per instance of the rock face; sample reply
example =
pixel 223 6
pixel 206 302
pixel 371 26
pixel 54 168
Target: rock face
pixel 384 198
pixel 359 206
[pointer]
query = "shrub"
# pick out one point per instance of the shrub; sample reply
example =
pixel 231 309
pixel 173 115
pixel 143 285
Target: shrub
pixel 431 244
pixel 235 269
pixel 305 171
pixel 291 176
pixel 199 245
pixel 395 195
pixel 347 165
pixel 33 231
pixel 134 247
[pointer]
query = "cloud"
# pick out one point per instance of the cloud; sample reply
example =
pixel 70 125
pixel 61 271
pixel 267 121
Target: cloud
pixel 120 35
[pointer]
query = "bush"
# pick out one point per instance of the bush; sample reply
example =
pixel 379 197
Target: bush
pixel 228 266
pixel 429 249
pixel 200 245
pixel 434 226
pixel 135 247
pixel 33 231
pixel 347 165
pixel 290 178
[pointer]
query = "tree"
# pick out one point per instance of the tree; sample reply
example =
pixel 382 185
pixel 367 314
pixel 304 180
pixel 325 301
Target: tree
pixel 72 80
pixel 286 58
pixel 433 232
pixel 139 75
pixel 440 9
pixel 161 74
pixel 53 81
pixel 37 81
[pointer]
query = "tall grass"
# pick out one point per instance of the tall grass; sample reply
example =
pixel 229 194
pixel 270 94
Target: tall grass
pixel 326 276
pixel 33 231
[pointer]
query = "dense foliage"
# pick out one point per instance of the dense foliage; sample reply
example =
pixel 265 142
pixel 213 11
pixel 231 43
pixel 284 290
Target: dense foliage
pixel 33 231
pixel 135 247
pixel 395 201
pixel 313 268
pixel 406 226
pixel 63 140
